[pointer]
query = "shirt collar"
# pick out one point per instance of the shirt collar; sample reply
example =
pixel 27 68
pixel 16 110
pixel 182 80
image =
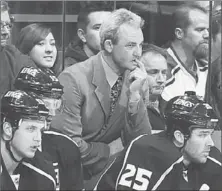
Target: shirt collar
pixel 111 76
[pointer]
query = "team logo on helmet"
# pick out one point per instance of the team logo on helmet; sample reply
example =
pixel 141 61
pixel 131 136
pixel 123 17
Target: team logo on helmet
pixel 184 103
pixel 13 94
pixel 30 71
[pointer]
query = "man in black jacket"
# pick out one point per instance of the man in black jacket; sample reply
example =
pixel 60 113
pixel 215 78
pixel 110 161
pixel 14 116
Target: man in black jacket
pixel 155 63
pixel 87 43
pixel 11 58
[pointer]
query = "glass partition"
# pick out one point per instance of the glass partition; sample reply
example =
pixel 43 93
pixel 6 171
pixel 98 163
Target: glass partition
pixel 215 72
pixel 47 12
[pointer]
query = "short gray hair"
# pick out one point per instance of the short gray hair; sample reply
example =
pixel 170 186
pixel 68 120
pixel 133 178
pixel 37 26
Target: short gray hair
pixel 147 48
pixel 110 27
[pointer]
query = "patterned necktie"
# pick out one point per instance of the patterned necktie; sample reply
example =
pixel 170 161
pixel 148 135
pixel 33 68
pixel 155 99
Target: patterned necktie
pixel 115 92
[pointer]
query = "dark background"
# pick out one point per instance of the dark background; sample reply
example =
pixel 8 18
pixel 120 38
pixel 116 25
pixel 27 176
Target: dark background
pixel 157 27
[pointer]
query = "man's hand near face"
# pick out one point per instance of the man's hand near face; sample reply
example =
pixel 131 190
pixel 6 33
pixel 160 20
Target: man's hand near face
pixel 138 87
pixel 137 120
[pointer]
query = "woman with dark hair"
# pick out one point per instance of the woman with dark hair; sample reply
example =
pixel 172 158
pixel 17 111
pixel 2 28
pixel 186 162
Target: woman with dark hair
pixel 37 41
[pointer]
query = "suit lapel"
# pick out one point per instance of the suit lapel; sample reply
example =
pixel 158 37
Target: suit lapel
pixel 102 90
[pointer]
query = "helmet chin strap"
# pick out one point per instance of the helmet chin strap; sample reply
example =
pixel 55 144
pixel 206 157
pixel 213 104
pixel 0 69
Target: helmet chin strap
pixel 10 152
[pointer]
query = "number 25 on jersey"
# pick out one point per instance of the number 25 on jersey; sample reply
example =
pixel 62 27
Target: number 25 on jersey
pixel 135 178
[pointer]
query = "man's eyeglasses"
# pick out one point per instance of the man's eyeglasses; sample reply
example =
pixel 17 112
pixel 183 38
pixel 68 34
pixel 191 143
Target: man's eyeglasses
pixel 7 25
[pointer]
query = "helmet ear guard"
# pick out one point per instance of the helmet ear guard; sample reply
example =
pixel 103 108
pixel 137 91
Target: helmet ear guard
pixel 13 123
pixel 177 124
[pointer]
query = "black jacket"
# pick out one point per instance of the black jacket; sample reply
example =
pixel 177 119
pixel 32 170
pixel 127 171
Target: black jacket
pixel 153 162
pixel 74 53
pixel 11 62
pixel 156 120
pixel 35 174
pixel 216 88
pixel 66 158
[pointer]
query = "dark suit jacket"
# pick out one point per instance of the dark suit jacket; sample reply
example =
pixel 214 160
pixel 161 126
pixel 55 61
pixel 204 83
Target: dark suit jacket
pixel 11 62
pixel 85 109
pixel 215 88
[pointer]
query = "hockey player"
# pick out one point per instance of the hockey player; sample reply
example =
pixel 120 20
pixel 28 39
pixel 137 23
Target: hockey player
pixel 23 167
pixel 181 158
pixel 57 147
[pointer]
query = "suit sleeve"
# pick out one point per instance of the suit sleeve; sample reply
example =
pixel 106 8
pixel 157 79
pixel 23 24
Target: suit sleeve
pixel 136 123
pixel 94 155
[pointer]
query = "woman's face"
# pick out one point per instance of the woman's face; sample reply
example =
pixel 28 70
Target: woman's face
pixel 44 52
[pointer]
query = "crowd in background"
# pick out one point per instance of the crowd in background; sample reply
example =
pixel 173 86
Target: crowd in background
pixel 96 122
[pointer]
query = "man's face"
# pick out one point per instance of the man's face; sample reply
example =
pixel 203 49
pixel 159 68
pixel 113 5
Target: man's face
pixel 128 48
pixel 196 35
pixel 92 38
pixel 198 145
pixel 156 68
pixel 27 138
pixel 5 28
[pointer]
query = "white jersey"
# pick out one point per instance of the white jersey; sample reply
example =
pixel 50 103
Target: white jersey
pixel 182 80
